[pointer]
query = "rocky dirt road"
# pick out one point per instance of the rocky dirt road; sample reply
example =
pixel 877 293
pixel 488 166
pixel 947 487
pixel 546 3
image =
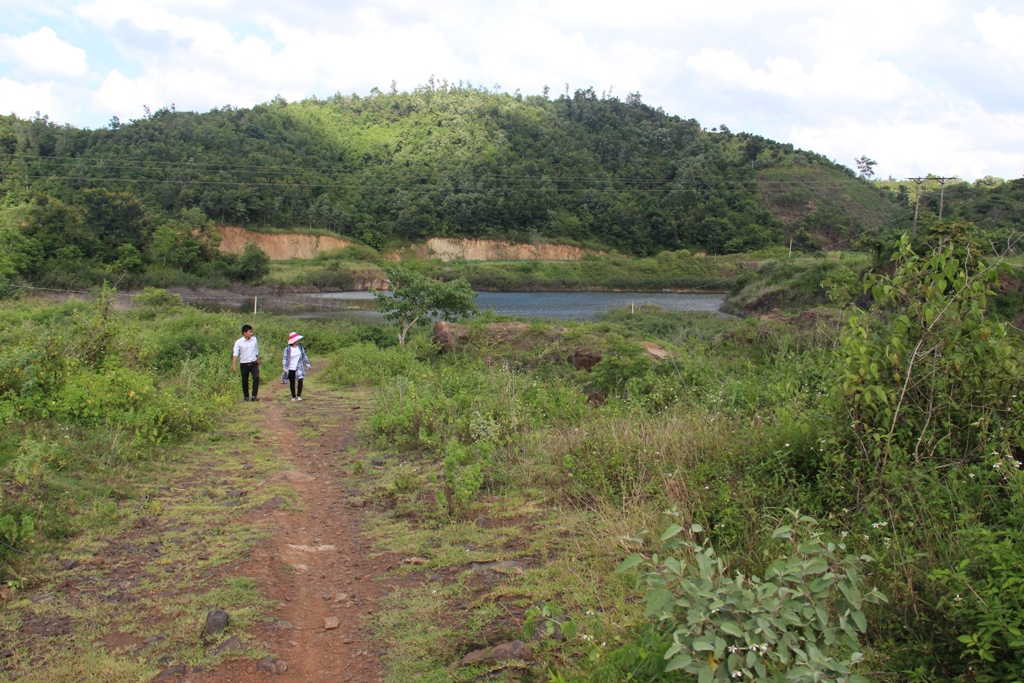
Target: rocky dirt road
pixel 315 563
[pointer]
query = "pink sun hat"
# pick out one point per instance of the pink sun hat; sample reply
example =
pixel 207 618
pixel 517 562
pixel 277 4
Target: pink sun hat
pixel 294 337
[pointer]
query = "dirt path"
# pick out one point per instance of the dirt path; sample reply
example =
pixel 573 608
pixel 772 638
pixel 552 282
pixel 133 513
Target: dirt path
pixel 315 563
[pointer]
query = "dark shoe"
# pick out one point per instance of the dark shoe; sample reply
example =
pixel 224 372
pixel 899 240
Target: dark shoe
pixel 246 399
pixel 254 398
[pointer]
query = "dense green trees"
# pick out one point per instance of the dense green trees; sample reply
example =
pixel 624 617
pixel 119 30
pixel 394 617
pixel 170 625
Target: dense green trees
pixel 443 160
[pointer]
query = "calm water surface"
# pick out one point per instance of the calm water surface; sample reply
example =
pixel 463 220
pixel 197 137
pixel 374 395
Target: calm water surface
pixel 565 305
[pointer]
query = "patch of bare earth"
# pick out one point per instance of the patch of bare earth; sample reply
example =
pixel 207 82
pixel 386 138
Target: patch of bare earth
pixel 315 563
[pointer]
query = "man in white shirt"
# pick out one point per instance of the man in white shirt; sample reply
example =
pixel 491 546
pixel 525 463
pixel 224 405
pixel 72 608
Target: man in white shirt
pixel 247 355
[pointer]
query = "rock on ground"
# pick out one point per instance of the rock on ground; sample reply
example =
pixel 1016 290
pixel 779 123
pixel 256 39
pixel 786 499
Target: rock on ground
pixel 515 649
pixel 216 621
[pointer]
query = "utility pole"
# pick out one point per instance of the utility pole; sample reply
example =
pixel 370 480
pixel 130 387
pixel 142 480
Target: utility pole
pixel 942 192
pixel 917 202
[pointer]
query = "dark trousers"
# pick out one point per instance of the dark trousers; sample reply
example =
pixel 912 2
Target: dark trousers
pixel 292 382
pixel 254 370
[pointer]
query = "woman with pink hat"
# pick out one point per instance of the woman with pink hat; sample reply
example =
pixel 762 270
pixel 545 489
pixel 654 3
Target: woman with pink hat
pixel 295 361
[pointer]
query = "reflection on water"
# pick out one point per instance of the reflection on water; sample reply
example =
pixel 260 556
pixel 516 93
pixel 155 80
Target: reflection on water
pixel 361 307
pixel 586 305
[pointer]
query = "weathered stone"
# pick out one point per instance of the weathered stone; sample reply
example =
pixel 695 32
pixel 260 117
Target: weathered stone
pixel 365 282
pixel 216 621
pixel 502 565
pixel 171 672
pixel 273 503
pixel 268 665
pixel 231 644
pixel 282 625
pixel 152 639
pixel 515 649
pixel 583 359
pixel 450 335
pixel 356 502
pixel 654 350
pixel 331 623
pixel 378 462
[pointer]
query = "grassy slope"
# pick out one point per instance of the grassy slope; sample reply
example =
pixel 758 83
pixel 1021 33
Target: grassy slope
pixel 797 195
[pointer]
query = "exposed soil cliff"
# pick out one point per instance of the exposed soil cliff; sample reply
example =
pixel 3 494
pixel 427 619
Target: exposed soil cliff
pixel 279 246
pixel 453 249
pixel 283 246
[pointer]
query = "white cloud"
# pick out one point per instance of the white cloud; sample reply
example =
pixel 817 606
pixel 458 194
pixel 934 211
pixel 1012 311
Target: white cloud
pixel 892 80
pixel 1003 33
pixel 27 99
pixel 43 53
pixel 832 77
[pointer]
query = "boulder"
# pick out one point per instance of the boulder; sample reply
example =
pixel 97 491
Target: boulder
pixel 231 644
pixel 216 621
pixel 450 335
pixel 582 359
pixel 515 649
pixel 273 503
pixel 272 666
pixel 654 350
pixel 170 672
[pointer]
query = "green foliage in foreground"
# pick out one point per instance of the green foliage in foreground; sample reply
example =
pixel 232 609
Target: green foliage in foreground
pixel 87 389
pixel 787 626
pixel 900 430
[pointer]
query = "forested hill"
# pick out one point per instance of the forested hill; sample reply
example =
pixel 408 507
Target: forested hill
pixel 438 161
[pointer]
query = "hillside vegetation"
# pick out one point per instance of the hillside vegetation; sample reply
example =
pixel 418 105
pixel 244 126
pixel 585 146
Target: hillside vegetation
pixel 393 168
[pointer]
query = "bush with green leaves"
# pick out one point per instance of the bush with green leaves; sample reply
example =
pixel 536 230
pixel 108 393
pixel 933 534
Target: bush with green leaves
pixel 928 375
pixel 154 297
pixel 464 475
pixel 983 593
pixel 800 623
pixel 416 300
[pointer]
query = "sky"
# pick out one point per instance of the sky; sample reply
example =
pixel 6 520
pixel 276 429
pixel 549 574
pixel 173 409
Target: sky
pixel 920 87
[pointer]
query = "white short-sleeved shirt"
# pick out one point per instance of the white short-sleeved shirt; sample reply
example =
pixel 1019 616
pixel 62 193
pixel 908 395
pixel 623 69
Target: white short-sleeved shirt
pixel 246 350
pixel 293 358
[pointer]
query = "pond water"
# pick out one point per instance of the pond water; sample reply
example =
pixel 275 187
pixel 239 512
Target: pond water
pixel 565 305
pixel 361 307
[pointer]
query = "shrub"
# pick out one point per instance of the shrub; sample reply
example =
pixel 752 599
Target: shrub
pixel 463 476
pixel 799 623
pixel 156 298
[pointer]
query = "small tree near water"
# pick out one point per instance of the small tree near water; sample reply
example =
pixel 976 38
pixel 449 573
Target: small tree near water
pixel 415 300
